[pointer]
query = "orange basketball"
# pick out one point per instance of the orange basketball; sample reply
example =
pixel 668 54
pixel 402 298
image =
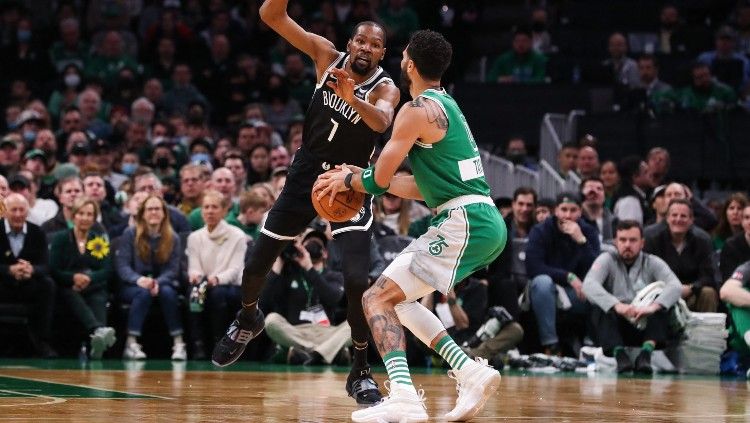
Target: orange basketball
pixel 346 205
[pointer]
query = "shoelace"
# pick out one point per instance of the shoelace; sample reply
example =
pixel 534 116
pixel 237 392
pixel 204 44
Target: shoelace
pixel 240 335
pixel 420 394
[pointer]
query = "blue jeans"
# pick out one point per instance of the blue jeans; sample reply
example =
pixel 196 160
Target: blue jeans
pixel 543 297
pixel 140 301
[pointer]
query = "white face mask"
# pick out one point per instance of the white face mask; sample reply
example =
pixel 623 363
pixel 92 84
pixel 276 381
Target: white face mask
pixel 72 80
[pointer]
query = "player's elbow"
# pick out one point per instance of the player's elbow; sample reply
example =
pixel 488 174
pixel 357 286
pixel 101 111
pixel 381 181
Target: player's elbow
pixel 267 12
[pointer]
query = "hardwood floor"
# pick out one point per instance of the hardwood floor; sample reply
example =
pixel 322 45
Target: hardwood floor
pixel 122 392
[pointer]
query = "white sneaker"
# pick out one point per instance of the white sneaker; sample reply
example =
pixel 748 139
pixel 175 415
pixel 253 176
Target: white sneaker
pixel 403 404
pixel 179 353
pixel 475 384
pixel 101 340
pixel 134 351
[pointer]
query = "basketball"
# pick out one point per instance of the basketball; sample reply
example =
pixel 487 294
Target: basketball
pixel 346 205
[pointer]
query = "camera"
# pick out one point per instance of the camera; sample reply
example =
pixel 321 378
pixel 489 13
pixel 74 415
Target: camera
pixel 289 253
pixel 497 318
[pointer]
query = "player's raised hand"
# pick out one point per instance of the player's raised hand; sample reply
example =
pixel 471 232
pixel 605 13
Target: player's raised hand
pixel 344 85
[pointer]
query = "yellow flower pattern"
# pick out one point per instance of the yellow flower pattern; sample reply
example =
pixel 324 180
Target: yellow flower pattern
pixel 98 247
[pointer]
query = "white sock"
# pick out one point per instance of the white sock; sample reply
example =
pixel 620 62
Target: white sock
pixel 177 339
pixel 131 340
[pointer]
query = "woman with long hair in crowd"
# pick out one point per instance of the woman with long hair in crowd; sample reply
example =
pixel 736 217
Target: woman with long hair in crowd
pixel 81 265
pixel 148 263
pixel 730 219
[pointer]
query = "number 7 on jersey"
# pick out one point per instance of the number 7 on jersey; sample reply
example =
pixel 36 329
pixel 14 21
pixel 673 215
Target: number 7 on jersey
pixel 333 130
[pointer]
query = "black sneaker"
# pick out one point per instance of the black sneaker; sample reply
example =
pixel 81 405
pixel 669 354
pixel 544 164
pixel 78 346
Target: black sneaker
pixel 643 363
pixel 362 387
pixel 233 343
pixel 623 362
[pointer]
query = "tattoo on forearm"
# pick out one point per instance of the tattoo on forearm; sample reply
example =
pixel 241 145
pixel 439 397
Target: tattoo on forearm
pixel 435 114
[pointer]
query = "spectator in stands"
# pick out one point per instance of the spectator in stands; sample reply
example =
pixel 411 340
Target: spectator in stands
pixel 566 159
pixel 704 217
pixel 103 156
pixel 541 38
pixel 593 210
pixel 624 69
pixel 742 23
pixel 705 94
pixel 671 36
pixel 216 254
pixel 70 49
pixel 235 163
pixel 659 95
pixel 94 188
pixel 613 282
pixel 81 264
pixel 658 162
pixel 4 191
pixel 192 185
pixel 737 248
pixel 301 297
pixel 260 164
pixel 611 180
pixel 11 147
pixel 736 294
pixel 68 190
pixel 730 220
pixel 522 64
pixel 515 151
pixel 24 277
pixel 222 180
pixel 300 82
pixel 41 209
pixel 109 58
pixel 559 252
pixel 630 199
pixel 506 276
pixel 730 67
pixel 400 21
pixel 688 255
pixel 183 92
pixel 148 264
pixel 252 209
pixel 150 183
pixel 279 157
pixel 587 162
pixel 71 83
pixel 90 105
pixel 659 205
pixel 543 209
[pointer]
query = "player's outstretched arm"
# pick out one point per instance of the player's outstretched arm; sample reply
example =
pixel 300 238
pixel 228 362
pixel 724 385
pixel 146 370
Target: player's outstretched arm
pixel 322 51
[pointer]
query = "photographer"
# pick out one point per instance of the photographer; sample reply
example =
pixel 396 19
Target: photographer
pixel 298 299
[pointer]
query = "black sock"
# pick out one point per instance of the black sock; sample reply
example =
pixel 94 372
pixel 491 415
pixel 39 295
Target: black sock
pixel 360 355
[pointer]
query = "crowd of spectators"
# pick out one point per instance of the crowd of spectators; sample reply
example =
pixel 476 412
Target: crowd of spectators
pixel 142 146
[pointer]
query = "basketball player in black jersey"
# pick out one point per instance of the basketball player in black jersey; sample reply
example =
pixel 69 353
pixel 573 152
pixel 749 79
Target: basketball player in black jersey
pixel 353 102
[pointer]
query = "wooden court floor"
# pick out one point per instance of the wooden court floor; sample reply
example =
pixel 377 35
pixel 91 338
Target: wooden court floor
pixel 113 391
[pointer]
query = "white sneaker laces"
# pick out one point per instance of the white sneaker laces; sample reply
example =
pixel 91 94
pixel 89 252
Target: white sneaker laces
pixel 420 394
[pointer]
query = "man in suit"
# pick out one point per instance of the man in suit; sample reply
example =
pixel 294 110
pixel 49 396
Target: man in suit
pixel 24 272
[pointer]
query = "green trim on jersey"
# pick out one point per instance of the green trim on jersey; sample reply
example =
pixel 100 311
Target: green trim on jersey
pixel 451 167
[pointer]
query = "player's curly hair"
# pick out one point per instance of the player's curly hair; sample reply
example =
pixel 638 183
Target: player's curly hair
pixel 430 52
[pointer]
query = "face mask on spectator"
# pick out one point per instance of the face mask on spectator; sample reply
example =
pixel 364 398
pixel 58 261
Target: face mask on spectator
pixel 129 168
pixel 200 158
pixel 24 35
pixel 72 80
pixel 29 136
pixel 162 162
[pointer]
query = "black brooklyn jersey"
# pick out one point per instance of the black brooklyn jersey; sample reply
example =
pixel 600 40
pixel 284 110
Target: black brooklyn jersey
pixel 334 132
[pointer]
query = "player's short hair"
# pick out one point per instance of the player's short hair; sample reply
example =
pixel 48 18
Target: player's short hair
pixel 370 23
pixel 430 52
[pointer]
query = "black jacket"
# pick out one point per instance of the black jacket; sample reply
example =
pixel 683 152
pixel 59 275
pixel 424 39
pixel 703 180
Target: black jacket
pixel 35 251
pixel 735 252
pixel 693 266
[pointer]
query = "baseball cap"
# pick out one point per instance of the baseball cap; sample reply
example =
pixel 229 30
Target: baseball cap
pixel 8 140
pixel 100 145
pixel 28 115
pixel 80 148
pixel 658 192
pixel 35 153
pixel 567 197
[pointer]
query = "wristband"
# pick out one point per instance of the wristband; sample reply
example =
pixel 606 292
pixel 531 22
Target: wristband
pixel 348 180
pixel 368 182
